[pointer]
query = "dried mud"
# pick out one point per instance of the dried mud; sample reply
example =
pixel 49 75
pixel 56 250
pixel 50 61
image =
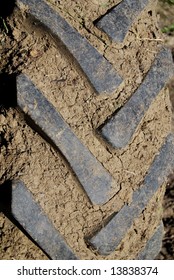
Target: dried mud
pixel 32 51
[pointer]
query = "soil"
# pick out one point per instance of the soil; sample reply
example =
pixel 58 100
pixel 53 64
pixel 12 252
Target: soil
pixel 26 47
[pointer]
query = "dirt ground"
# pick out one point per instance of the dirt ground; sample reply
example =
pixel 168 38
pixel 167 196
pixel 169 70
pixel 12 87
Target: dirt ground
pixel 29 52
pixel 166 13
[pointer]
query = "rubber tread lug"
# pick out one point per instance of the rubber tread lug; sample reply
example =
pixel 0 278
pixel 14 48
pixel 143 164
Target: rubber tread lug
pixel 153 246
pixel 119 130
pixel 109 237
pixel 31 217
pixel 117 22
pixel 98 70
pixel 94 178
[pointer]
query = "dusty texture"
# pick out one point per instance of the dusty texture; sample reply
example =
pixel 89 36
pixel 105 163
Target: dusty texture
pixel 25 155
pixel 152 214
pixel 15 245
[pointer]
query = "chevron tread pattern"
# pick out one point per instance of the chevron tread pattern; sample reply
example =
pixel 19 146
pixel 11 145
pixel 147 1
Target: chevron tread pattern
pixel 118 131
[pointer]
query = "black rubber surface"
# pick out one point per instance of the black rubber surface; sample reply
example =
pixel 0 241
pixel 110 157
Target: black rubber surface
pixel 153 246
pixel 117 22
pixel 32 218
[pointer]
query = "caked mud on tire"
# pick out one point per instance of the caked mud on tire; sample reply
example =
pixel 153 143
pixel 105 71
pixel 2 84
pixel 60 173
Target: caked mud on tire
pixel 86 144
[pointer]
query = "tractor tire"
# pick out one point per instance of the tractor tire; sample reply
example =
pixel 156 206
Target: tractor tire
pixel 85 135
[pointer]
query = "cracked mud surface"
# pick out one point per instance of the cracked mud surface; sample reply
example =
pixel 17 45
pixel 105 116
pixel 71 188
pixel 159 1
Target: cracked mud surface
pixel 30 50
